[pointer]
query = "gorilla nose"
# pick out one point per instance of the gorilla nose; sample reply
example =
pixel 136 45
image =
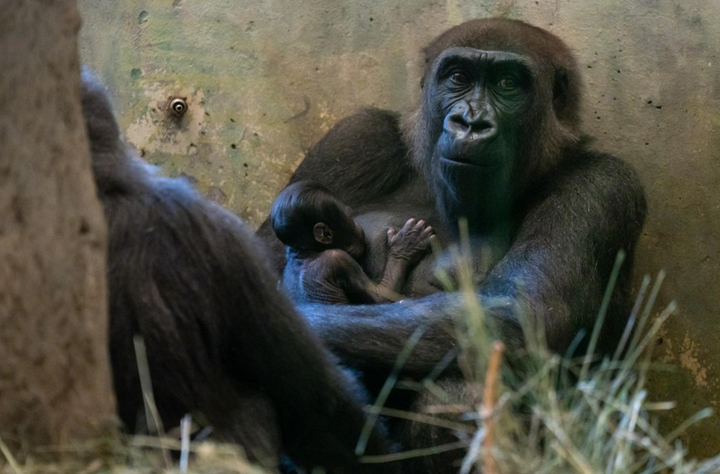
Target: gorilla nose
pixel 464 127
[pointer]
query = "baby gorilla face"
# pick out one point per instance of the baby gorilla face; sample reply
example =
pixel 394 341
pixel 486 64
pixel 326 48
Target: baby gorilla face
pixel 350 237
pixel 340 231
pixel 356 245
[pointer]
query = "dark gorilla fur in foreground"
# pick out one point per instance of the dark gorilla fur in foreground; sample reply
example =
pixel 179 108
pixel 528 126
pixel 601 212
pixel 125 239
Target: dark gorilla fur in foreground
pixel 186 275
pixel 495 138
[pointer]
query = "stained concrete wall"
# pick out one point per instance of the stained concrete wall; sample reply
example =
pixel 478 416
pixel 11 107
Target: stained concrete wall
pixel 266 78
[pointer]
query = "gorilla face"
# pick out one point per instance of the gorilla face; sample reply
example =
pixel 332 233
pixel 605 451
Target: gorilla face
pixel 475 106
pixel 482 96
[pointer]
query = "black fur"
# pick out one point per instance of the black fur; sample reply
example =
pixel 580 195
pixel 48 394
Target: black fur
pixel 302 205
pixel 221 340
pixel 571 210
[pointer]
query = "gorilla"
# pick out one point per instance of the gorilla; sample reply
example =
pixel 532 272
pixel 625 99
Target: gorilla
pixel 221 341
pixel 494 139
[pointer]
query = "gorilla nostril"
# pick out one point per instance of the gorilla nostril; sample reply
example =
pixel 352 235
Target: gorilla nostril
pixel 456 123
pixel 482 126
pixel 464 127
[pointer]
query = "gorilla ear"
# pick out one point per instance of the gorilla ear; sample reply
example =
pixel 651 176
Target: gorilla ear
pixel 561 90
pixel 322 233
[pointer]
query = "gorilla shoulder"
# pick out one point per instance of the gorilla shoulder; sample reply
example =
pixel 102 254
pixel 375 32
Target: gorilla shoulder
pixel 363 156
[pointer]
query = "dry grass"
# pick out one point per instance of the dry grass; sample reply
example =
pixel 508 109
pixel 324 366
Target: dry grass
pixel 135 455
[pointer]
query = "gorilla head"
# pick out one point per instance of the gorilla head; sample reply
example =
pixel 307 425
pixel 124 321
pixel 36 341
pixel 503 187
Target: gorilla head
pixel 500 103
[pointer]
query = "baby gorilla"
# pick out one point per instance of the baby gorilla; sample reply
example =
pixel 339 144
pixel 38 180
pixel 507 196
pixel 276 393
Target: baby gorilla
pixel 324 245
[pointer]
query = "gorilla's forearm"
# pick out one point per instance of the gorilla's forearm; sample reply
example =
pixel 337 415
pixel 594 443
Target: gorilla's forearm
pixel 370 337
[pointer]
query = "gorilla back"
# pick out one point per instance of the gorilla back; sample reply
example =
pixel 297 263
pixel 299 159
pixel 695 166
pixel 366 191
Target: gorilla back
pixel 186 276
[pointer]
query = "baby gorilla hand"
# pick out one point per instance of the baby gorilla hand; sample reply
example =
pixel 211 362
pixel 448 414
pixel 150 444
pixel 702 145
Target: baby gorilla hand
pixel 411 243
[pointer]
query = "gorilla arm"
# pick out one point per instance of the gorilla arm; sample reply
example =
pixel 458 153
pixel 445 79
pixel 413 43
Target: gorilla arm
pixel 554 274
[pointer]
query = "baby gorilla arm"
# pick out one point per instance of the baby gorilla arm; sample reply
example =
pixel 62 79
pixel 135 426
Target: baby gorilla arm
pixel 406 249
pixel 338 278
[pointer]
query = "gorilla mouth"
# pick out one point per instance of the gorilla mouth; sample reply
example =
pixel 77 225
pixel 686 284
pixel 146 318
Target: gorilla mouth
pixel 465 161
pixel 458 161
pixel 476 153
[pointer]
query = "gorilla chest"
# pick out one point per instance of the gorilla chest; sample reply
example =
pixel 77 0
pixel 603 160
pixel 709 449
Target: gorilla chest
pixel 376 224
pixel 485 252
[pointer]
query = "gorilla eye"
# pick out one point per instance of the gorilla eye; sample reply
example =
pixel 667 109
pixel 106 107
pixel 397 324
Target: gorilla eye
pixel 507 84
pixel 460 79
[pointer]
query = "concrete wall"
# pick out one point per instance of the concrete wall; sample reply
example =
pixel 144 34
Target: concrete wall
pixel 266 78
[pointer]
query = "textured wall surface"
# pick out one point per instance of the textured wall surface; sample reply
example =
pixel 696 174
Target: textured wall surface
pixel 266 78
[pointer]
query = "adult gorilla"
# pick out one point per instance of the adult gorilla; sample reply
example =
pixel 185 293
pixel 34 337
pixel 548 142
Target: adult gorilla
pixel 495 138
pixel 184 274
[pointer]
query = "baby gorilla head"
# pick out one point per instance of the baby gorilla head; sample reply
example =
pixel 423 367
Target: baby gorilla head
pixel 308 216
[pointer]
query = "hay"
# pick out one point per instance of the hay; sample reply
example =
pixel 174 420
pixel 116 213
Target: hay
pixel 134 455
